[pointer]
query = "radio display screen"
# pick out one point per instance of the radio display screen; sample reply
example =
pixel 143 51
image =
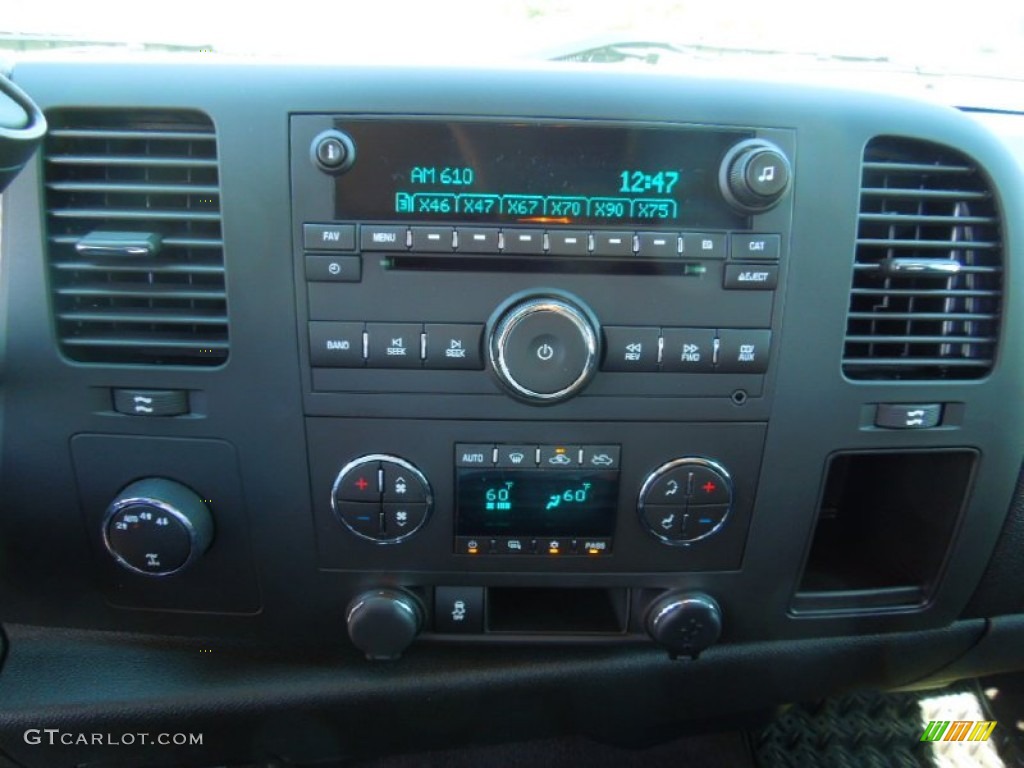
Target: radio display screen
pixel 572 173
pixel 541 503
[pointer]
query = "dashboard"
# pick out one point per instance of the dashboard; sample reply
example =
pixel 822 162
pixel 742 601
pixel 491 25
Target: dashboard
pixel 526 375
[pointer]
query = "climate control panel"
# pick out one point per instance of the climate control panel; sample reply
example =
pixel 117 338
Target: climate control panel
pixel 508 498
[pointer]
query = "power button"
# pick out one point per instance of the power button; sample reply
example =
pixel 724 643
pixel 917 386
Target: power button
pixel 544 350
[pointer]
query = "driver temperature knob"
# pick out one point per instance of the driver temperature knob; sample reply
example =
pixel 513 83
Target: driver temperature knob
pixel 684 623
pixel 383 622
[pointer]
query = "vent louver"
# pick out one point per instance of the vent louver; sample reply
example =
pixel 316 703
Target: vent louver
pixel 134 228
pixel 927 276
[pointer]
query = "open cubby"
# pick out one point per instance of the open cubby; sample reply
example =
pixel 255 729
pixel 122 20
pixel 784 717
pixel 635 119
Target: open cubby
pixel 885 525
pixel 556 610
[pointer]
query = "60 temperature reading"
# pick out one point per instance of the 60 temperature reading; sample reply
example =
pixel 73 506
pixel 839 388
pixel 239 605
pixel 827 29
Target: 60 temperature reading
pixel 571 496
pixel 499 499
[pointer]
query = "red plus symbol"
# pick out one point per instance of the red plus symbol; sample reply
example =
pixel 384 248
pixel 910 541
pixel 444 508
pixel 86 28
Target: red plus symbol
pixel 708 487
pixel 361 483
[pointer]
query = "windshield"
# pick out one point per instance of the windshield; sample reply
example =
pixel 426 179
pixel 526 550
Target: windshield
pixel 926 41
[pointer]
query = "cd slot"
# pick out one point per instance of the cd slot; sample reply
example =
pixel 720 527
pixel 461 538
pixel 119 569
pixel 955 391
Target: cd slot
pixel 543 265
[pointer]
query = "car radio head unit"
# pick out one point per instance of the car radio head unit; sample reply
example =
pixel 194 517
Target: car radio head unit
pixel 548 173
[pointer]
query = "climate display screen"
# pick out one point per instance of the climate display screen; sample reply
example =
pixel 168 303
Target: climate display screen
pixel 541 503
pixel 553 173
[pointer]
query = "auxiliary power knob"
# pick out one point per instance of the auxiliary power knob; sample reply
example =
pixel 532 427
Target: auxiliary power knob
pixel 544 349
pixel 685 623
pixel 383 622
pixel 157 527
pixel 754 176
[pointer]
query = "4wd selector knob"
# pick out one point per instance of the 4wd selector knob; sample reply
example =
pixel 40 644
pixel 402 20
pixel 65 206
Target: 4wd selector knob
pixel 544 349
pixel 157 527
pixel 754 176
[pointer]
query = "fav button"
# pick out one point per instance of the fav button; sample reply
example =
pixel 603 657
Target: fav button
pixel 329 237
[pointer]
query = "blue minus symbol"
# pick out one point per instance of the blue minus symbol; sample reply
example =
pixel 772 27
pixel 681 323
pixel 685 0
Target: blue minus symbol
pixel 705 519
pixel 363 517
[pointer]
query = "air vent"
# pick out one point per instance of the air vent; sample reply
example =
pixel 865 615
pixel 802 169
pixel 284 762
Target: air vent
pixel 135 250
pixel 927 279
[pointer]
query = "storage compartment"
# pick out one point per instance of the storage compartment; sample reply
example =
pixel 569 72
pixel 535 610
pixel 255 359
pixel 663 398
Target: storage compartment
pixel 885 525
pixel 558 610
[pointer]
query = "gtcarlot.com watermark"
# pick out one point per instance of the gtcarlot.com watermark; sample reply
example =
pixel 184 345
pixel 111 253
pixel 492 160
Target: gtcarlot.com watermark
pixel 55 736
